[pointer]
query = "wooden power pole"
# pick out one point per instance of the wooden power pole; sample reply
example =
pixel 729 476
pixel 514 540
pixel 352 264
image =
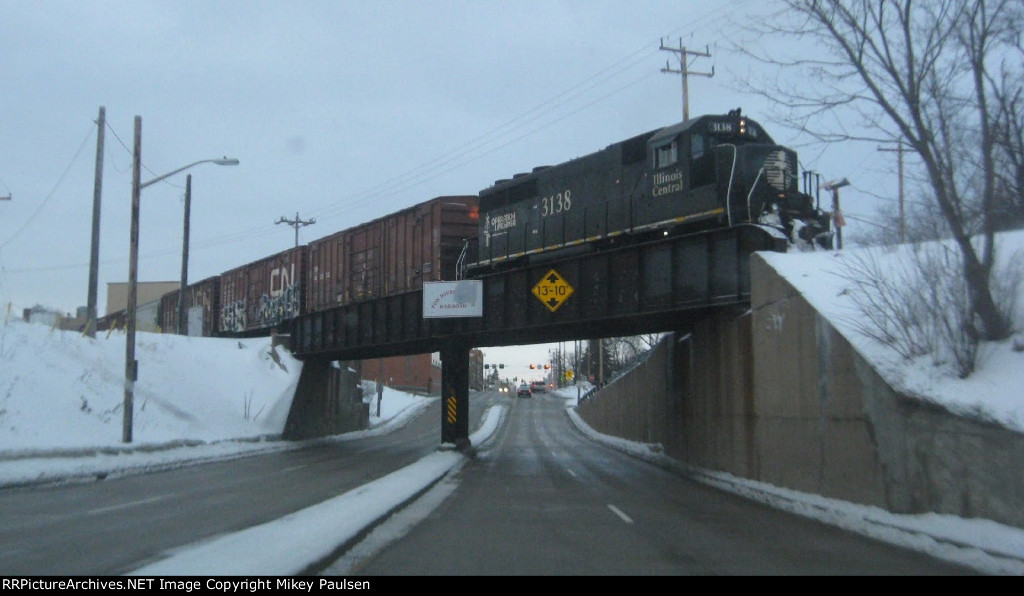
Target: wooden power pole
pixel 94 254
pixel 899 159
pixel 296 223
pixel 685 72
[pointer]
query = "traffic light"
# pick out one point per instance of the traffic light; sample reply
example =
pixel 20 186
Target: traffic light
pixel 547 366
pixel 533 366
pixel 501 366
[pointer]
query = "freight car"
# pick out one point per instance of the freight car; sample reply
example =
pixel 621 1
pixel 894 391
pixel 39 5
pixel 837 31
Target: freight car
pixel 202 308
pixel 261 297
pixel 391 255
pixel 707 172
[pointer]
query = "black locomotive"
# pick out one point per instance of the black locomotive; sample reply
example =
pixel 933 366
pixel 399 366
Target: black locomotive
pixel 707 172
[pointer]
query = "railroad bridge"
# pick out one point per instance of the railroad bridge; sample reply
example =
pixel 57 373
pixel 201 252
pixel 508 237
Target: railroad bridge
pixel 654 286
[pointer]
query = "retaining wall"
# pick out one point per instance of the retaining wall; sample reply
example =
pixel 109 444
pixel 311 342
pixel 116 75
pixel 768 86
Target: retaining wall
pixel 776 394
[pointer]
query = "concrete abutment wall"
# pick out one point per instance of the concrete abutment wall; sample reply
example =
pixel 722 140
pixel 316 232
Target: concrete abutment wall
pixel 777 395
pixel 327 401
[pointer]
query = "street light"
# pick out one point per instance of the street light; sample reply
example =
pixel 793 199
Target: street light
pixel 131 372
pixel 837 215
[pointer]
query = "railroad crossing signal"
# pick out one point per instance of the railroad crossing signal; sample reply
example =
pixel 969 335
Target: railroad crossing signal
pixel 552 290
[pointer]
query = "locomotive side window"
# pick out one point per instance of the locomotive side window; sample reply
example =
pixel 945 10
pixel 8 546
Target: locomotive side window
pixel 666 155
pixel 702 169
pixel 696 147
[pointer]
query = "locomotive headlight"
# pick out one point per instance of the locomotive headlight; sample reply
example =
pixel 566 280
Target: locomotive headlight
pixel 743 126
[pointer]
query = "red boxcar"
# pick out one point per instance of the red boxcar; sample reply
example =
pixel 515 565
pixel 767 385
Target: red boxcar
pixel 258 297
pixel 391 255
pixel 202 308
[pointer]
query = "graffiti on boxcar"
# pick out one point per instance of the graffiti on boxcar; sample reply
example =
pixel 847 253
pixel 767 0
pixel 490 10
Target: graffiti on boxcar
pixel 232 317
pixel 278 306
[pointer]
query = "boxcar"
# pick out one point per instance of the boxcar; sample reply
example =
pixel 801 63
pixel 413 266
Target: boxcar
pixel 202 308
pixel 262 296
pixel 391 255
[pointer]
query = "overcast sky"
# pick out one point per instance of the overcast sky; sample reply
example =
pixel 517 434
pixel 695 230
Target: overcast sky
pixel 338 110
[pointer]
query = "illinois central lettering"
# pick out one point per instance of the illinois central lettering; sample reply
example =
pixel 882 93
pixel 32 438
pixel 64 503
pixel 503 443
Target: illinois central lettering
pixel 667 182
pixel 666 177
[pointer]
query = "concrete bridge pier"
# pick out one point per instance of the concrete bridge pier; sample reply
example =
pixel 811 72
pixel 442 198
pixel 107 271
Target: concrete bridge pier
pixel 328 400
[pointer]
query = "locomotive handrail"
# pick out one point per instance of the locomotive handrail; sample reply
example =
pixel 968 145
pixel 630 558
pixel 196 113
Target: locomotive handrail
pixel 732 175
pixel 460 263
pixel 753 185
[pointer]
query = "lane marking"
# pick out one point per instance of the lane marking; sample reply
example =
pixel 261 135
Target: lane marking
pixel 124 505
pixel 619 513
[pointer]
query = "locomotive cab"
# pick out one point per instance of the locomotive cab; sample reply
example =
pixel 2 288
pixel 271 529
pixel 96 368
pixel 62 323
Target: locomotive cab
pixel 690 167
pixel 726 170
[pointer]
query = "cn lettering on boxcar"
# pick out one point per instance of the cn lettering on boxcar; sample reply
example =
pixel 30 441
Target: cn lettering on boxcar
pixel 264 295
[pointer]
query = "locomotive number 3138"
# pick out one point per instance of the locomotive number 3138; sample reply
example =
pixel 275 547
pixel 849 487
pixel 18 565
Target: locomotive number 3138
pixel 556 203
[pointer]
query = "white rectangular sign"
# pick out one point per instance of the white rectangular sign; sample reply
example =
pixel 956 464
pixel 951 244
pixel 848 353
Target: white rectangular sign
pixel 443 299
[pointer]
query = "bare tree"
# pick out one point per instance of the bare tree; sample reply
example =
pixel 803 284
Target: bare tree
pixel 943 76
pixel 923 223
pixel 1010 152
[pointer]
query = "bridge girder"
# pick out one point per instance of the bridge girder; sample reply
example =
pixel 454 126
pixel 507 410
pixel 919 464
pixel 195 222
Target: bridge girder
pixel 659 285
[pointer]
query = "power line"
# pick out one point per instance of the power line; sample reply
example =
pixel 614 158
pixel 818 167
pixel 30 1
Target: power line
pixel 47 198
pixel 476 148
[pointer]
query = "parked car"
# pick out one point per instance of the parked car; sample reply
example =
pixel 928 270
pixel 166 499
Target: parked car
pixel 524 391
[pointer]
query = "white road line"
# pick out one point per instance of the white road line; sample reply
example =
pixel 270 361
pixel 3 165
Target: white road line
pixel 619 513
pixel 124 505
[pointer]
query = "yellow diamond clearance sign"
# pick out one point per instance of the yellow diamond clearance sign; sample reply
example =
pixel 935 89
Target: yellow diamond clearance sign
pixel 552 290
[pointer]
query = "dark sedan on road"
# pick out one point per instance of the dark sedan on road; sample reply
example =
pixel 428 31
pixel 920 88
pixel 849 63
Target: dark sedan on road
pixel 524 391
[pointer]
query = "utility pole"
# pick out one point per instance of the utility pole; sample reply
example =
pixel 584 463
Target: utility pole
pixel 182 323
pixel 899 159
pixel 131 366
pixel 94 254
pixel 684 70
pixel 296 223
